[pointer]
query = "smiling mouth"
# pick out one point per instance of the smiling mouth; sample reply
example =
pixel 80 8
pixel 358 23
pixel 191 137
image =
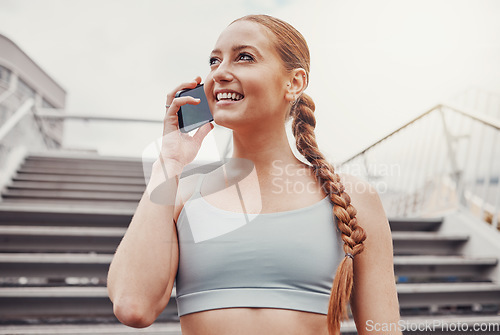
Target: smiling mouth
pixel 229 97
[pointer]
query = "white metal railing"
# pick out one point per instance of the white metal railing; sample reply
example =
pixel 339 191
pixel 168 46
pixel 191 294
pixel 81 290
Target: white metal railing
pixel 17 130
pixel 445 158
pixel 106 134
pixel 49 113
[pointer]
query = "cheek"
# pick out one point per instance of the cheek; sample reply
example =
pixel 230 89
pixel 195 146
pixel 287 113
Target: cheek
pixel 208 83
pixel 208 87
pixel 258 84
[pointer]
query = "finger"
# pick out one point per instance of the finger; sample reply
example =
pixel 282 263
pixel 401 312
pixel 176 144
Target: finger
pixel 202 132
pixel 170 120
pixel 177 103
pixel 186 85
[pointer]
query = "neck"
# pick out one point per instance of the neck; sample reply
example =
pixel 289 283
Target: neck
pixel 265 148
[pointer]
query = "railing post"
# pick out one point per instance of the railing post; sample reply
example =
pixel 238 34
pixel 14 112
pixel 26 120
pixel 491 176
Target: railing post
pixel 495 220
pixel 451 152
pixel 450 139
pixel 12 87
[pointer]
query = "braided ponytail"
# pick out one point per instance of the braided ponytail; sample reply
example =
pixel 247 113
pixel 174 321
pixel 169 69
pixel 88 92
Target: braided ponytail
pixel 353 235
pixel 294 53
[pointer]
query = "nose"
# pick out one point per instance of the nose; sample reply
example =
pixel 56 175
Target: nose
pixel 222 73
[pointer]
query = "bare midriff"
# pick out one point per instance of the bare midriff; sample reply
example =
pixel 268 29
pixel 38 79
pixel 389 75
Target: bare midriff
pixel 251 321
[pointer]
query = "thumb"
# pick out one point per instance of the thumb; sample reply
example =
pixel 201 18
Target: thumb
pixel 202 132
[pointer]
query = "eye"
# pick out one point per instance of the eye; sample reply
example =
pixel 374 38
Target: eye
pixel 245 57
pixel 213 61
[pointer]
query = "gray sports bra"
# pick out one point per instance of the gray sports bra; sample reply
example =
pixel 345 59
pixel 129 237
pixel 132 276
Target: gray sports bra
pixel 281 260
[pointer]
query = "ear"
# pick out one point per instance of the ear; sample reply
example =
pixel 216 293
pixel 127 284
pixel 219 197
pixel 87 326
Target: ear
pixel 297 83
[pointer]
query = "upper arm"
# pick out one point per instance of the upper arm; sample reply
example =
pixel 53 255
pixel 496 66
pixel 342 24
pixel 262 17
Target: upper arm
pixel 374 297
pixel 185 189
pixel 174 263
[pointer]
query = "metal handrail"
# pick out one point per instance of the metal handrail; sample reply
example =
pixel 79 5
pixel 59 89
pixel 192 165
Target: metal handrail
pixel 484 119
pixel 475 116
pixel 51 113
pixel 443 172
pixel 48 113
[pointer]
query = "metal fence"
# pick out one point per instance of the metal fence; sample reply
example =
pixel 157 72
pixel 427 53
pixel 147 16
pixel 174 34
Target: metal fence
pixel 447 157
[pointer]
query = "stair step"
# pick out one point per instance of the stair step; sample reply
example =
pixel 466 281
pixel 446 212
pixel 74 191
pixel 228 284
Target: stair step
pixel 81 157
pixel 17 303
pixel 102 203
pixel 79 164
pixel 424 243
pixel 157 328
pixel 81 172
pixel 43 185
pixel 415 224
pixel 71 195
pixel 54 265
pixel 53 239
pixel 443 266
pixel 447 294
pixel 57 214
pixel 80 179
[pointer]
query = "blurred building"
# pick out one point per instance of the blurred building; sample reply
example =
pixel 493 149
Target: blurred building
pixel 23 81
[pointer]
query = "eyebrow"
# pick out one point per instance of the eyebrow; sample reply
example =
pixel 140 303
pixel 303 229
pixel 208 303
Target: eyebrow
pixel 238 48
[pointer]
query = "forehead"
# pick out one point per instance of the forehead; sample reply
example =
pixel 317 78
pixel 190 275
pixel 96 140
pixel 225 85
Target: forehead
pixel 246 33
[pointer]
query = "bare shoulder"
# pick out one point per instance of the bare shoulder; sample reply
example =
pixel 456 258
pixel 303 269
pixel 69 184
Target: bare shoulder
pixel 374 266
pixel 365 198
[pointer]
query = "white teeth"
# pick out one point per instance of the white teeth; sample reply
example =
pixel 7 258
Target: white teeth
pixel 231 96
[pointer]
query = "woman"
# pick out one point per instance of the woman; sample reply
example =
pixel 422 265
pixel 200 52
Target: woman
pixel 260 277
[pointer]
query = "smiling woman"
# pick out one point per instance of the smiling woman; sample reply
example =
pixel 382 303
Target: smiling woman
pixel 287 261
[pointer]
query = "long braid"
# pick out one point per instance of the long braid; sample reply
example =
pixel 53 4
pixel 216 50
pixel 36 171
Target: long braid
pixel 353 235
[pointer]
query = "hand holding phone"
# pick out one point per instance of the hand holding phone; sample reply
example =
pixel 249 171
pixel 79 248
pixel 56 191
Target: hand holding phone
pixel 177 147
pixel 193 116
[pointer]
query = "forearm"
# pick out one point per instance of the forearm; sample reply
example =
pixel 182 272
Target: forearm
pixel 140 270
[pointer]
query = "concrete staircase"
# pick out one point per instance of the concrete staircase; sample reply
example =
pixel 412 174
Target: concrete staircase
pixel 62 216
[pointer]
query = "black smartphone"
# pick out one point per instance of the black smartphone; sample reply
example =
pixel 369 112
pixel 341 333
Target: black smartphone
pixel 193 116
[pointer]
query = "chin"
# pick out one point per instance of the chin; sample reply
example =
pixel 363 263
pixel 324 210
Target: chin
pixel 228 120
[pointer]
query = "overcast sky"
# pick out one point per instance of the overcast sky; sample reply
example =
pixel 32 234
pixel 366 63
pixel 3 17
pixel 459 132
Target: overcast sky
pixel 375 64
